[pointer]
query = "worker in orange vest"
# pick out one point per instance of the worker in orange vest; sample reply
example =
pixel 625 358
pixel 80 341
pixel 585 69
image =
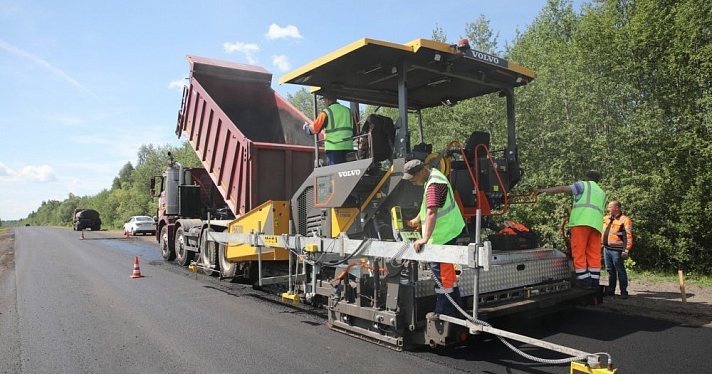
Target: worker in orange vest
pixel 617 241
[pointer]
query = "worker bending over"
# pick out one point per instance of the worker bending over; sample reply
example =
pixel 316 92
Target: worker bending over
pixel 586 223
pixel 441 223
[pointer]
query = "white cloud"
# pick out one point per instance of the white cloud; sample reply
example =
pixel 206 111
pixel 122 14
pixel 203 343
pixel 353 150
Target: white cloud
pixel 248 49
pixel 281 62
pixel 276 32
pixel 39 61
pixel 178 83
pixel 42 173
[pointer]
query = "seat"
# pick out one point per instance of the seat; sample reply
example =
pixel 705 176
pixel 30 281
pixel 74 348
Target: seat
pixel 383 134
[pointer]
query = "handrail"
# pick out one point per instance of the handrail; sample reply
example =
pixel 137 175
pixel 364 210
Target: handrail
pixel 469 168
pixel 499 178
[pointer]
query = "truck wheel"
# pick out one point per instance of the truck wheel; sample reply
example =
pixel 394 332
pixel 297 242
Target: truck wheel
pixel 183 255
pixel 208 252
pixel 166 248
pixel 227 269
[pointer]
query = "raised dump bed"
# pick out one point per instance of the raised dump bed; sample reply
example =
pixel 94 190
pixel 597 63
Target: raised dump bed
pixel 248 138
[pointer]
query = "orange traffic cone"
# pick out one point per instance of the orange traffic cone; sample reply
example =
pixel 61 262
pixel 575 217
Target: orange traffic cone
pixel 81 236
pixel 136 269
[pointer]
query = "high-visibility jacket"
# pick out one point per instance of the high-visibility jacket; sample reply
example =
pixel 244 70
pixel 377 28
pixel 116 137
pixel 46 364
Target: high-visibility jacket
pixel 448 225
pixel 449 222
pixel 617 232
pixel 588 208
pixel 338 127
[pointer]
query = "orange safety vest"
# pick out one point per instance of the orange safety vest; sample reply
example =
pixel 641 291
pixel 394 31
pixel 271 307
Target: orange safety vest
pixel 617 232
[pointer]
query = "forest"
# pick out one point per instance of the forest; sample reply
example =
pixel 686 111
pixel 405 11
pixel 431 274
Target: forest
pixel 622 86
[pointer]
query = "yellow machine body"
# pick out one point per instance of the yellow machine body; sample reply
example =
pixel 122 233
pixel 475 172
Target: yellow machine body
pixel 341 220
pixel 270 218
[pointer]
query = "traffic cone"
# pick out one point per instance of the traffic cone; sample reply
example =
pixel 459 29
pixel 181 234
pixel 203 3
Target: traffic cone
pixel 136 269
pixel 81 236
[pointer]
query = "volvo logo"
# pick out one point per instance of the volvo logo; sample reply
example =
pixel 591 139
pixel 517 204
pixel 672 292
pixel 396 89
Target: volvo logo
pixel 486 58
pixel 349 173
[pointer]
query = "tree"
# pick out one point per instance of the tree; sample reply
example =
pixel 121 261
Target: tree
pixel 481 35
pixel 124 179
pixel 303 100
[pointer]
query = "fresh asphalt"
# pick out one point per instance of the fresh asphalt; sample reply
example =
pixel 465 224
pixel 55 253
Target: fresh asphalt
pixel 70 306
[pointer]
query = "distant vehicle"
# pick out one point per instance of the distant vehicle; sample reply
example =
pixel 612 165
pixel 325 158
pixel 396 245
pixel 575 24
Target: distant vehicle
pixel 140 225
pixel 86 219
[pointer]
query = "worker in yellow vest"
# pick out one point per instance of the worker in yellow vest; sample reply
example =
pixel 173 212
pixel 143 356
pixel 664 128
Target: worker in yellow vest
pixel 441 223
pixel 586 223
pixel 338 124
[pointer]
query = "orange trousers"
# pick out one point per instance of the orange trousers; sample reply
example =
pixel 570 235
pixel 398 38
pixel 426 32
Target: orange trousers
pixel 586 250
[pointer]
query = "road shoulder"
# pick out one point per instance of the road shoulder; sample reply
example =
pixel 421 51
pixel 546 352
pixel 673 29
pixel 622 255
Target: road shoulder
pixel 9 329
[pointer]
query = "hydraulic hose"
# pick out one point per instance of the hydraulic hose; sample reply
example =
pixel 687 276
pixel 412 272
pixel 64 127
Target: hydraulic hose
pixel 507 343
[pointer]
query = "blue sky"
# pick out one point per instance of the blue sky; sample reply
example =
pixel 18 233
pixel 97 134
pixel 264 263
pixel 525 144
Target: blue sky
pixel 86 83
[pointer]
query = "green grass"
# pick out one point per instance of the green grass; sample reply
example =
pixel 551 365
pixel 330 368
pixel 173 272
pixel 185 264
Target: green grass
pixel 698 280
pixel 660 277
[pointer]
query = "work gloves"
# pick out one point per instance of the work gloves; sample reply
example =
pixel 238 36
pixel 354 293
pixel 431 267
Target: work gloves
pixel 306 129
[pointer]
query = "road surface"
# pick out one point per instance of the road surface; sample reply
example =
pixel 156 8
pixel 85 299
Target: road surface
pixel 69 306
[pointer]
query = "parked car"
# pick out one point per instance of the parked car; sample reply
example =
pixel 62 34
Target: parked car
pixel 140 225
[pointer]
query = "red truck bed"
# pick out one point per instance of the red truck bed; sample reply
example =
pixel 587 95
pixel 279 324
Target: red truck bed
pixel 248 138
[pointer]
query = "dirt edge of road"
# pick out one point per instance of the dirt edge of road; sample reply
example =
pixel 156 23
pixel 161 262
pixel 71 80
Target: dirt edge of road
pixel 659 300
pixel 7 250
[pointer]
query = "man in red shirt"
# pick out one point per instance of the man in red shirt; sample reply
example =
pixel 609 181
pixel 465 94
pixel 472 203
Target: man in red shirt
pixel 442 223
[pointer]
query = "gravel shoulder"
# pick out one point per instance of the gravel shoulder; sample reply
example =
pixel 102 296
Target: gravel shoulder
pixel 7 254
pixel 10 361
pixel 663 300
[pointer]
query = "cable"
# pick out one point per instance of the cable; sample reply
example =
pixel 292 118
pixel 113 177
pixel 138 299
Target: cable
pixel 506 342
pixel 397 256
pixel 358 250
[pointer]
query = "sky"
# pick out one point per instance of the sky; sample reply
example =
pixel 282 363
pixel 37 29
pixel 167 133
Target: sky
pixel 86 83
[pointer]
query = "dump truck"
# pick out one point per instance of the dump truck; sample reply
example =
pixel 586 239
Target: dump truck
pixel 83 219
pixel 334 236
pixel 250 141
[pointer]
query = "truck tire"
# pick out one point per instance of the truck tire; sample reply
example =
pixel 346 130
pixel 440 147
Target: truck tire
pixel 209 252
pixel 183 255
pixel 227 269
pixel 166 247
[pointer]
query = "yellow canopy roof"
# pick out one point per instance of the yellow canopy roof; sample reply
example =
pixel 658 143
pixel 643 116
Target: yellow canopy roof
pixel 366 71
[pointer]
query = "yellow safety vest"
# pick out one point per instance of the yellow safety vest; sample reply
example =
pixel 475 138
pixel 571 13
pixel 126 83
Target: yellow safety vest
pixel 339 126
pixel 588 209
pixel 449 222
